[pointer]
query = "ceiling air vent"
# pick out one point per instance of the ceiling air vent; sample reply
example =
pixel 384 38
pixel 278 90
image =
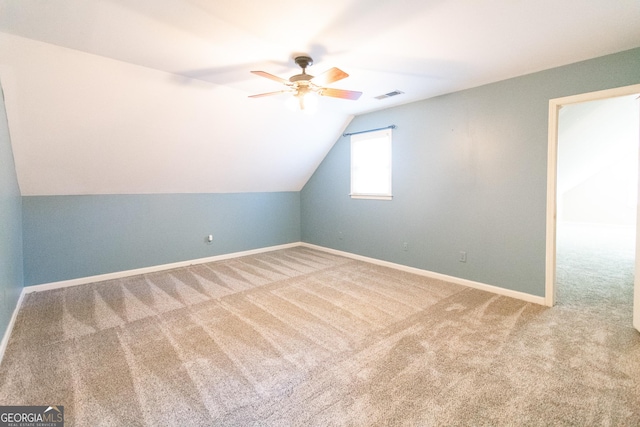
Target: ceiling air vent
pixel 390 94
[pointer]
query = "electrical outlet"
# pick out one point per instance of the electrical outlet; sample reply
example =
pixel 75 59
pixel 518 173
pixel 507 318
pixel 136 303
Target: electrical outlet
pixel 463 256
pixel 340 235
pixel 405 246
pixel 209 239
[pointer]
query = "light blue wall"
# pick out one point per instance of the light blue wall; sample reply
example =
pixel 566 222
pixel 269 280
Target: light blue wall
pixel 469 174
pixel 11 268
pixel 67 237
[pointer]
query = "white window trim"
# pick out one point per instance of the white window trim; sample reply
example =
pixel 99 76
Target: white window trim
pixel 370 196
pixel 363 137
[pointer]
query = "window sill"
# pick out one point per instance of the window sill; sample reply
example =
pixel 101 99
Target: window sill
pixel 370 197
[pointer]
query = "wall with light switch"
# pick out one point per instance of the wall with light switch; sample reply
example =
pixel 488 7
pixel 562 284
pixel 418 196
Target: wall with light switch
pixel 469 179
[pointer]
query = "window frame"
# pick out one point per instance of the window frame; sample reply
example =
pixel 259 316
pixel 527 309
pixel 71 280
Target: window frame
pixel 362 138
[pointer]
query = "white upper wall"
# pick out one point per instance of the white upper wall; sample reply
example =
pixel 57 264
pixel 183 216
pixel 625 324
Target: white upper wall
pixel 598 161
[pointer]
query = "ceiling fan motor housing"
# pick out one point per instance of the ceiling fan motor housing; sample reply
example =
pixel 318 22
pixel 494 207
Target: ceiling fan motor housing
pixel 300 78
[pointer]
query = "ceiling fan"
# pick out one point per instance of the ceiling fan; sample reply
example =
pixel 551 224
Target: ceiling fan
pixel 302 85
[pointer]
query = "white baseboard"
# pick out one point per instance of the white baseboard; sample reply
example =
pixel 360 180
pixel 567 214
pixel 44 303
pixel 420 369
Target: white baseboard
pixel 12 321
pixel 120 274
pixel 152 269
pixel 464 282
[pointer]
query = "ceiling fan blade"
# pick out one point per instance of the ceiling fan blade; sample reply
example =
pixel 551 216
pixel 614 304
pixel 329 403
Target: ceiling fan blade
pixel 271 76
pixel 339 93
pixel 260 95
pixel 332 75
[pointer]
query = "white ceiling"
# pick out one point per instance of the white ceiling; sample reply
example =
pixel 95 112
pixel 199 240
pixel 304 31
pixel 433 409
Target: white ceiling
pixel 151 96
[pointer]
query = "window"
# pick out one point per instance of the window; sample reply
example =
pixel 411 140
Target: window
pixel 371 165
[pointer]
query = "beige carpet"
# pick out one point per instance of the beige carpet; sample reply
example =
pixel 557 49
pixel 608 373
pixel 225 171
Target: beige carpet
pixel 302 337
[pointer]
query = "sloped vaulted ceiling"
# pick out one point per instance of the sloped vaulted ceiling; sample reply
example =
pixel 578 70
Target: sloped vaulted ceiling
pixel 150 96
pixel 85 124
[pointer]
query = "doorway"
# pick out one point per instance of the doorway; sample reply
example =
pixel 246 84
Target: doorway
pixel 592 201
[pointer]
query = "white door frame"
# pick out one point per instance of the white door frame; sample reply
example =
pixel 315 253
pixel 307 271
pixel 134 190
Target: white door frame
pixel 552 167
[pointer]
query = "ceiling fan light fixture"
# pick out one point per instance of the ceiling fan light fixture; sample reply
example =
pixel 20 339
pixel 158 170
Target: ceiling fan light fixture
pixel 306 102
